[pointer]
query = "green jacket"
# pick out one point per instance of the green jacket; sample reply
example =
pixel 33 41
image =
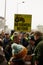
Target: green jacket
pixel 39 51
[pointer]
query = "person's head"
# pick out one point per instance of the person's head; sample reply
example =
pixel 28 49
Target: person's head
pixel 37 35
pixel 12 31
pixel 18 51
pixel 7 35
pixel 16 39
pixel 32 40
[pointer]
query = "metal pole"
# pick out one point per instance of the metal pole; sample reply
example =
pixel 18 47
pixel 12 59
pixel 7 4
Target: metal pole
pixel 4 14
pixel 5 11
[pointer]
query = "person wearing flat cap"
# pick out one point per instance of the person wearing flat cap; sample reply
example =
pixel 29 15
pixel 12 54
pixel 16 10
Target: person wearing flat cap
pixel 31 45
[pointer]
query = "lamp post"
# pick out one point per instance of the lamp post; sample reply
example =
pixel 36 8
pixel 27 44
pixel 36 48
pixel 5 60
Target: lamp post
pixel 5 16
pixel 18 6
pixel 5 11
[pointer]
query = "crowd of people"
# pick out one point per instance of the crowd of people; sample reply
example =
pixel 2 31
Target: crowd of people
pixel 21 48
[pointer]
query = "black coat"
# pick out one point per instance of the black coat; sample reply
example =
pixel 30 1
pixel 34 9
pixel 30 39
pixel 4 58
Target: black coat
pixel 17 62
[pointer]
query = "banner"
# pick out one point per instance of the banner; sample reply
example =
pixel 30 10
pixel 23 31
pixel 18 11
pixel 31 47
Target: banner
pixel 22 22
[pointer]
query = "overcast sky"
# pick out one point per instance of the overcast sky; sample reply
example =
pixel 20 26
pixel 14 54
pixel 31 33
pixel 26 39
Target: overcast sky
pixel 33 7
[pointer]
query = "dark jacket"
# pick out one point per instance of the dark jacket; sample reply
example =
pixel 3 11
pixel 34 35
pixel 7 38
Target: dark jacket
pixel 39 53
pixel 24 42
pixel 30 49
pixel 2 57
pixel 17 62
pixel 3 60
pixel 6 42
pixel 37 41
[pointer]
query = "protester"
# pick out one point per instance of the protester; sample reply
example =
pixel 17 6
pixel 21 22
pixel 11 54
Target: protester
pixel 38 51
pixel 24 39
pixel 18 52
pixel 31 45
pixel 37 37
pixel 6 40
pixel 3 60
pixel 8 51
pixel 20 47
pixel 38 58
pixel 31 48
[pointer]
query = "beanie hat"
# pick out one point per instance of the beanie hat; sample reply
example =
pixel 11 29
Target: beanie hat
pixel 18 51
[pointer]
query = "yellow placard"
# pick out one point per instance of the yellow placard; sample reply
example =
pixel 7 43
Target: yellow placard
pixel 22 22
